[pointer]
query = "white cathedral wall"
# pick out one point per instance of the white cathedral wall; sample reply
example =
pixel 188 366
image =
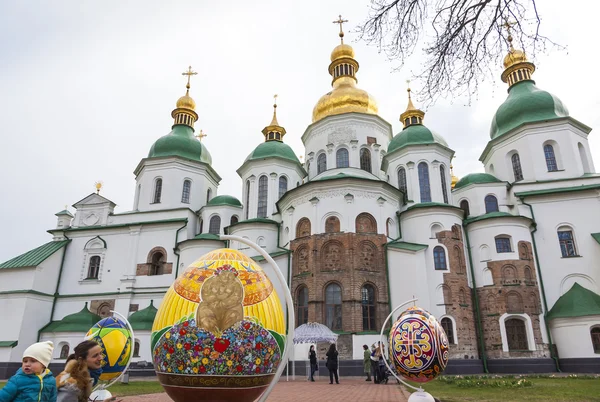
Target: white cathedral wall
pixel 408 278
pixel 224 212
pixel 17 279
pixel 572 336
pixel 46 274
pixel 192 250
pixel 22 318
pixel 475 195
pixel 263 234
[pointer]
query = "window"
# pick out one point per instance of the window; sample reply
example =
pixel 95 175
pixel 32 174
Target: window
pixel 439 258
pixel 448 329
pixel 516 334
pixel 157 264
pixel 491 204
pixel 365 160
pixel 283 183
pixel 516 165
pixel 444 186
pixel 567 244
pixel 247 198
pixel 464 205
pixel 368 307
pixel 157 191
pixel 321 163
pixel 302 306
pixel 214 227
pixel 424 182
pixel 208 195
pixel 185 193
pixel 263 193
pixel 341 158
pixel 333 306
pixel 94 267
pixel 503 245
pixel 402 181
pixel 595 334
pixel 136 349
pixel 64 352
pixel 234 220
pixel 550 158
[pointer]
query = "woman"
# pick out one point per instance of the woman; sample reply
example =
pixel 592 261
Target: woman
pixel 332 364
pixel 312 356
pixel 81 374
pixel 367 362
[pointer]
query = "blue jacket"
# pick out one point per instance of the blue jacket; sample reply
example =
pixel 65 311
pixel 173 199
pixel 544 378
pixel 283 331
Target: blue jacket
pixel 29 388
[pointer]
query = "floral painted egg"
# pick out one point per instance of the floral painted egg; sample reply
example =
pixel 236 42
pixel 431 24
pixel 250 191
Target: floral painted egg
pixel 114 337
pixel 219 333
pixel 418 345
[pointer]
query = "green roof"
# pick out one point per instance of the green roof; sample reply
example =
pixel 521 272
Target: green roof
pixel 206 236
pixel 273 149
pixel 180 142
pixel 403 245
pixel 81 321
pixel 341 176
pixel 492 215
pixel 596 237
pixel 558 190
pixel 259 258
pixel 476 178
pixel 64 212
pixel 8 344
pixel 431 205
pixel 416 134
pixel 224 200
pixel 577 302
pixel 526 103
pixel 256 220
pixel 36 256
pixel 143 319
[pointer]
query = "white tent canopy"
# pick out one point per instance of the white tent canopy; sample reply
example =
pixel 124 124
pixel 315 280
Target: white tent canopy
pixel 313 332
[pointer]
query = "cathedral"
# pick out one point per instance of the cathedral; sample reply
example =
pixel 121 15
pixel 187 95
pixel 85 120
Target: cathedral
pixel 507 260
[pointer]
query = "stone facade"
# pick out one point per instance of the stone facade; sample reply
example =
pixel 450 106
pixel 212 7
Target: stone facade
pixel 102 307
pixel 156 263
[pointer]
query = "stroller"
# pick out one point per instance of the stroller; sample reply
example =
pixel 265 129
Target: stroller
pixel 384 373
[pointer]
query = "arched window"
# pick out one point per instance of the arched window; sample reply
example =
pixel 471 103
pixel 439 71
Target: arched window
pixel 402 182
pixel 263 195
pixel 491 204
pixel 503 244
pixel 516 165
pixel 136 349
pixel 584 160
pixel 64 352
pixel 185 193
pixel 464 205
pixel 156 264
pixel 424 187
pixel 448 329
pixel 208 195
pixel 234 220
pixel 550 158
pixel 321 163
pixel 368 307
pixel 567 242
pixel 341 158
pixel 365 223
pixel 333 306
pixel 283 185
pixel 516 335
pixel 157 191
pixel 332 225
pixel 439 258
pixel 365 160
pixel 301 306
pixel 94 267
pixel 214 227
pixel 444 185
pixel 247 198
pixel 595 334
pixel 303 228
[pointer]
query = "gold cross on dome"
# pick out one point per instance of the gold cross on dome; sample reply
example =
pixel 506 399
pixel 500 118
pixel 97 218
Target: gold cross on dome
pixel 189 74
pixel 201 135
pixel 508 25
pixel 341 22
pixel 275 100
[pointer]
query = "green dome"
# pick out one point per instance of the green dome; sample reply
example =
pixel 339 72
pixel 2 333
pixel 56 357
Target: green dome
pixel 476 178
pixel 526 103
pixel 143 319
pixel 224 200
pixel 81 321
pixel 416 134
pixel 180 142
pixel 273 149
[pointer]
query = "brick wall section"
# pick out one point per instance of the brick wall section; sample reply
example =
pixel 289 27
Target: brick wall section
pixel 514 290
pixel 102 307
pixel 457 295
pixel 144 269
pixel 349 259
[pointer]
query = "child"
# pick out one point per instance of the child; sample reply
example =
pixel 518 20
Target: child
pixel 33 382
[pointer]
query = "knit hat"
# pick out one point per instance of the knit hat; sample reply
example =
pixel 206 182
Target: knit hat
pixel 41 351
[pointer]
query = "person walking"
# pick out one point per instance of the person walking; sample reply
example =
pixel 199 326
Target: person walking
pixel 367 362
pixel 314 366
pixel 374 366
pixel 332 364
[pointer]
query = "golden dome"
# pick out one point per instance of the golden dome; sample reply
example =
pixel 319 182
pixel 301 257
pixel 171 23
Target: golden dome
pixel 344 98
pixel 186 102
pixel 513 57
pixel 341 51
pixel 453 179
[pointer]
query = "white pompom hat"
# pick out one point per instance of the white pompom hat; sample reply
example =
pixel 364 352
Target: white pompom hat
pixel 41 351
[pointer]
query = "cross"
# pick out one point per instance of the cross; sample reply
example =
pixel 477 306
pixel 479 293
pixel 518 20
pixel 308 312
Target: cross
pixel 341 22
pixel 408 89
pixel 201 135
pixel 507 25
pixel 275 100
pixel 189 74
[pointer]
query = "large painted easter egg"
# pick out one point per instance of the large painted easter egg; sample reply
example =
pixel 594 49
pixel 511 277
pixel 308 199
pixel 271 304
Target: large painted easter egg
pixel 114 337
pixel 418 345
pixel 219 333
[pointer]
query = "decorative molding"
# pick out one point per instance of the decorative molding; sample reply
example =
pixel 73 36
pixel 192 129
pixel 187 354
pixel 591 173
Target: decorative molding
pixel 333 194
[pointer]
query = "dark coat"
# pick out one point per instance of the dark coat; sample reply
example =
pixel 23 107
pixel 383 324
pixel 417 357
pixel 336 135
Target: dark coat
pixel 313 357
pixel 332 360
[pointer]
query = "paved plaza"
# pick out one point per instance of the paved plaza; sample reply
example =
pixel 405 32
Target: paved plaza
pixel 351 389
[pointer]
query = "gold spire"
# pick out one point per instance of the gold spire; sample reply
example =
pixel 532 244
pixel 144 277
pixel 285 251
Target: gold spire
pixel 516 66
pixel 453 179
pixel 341 22
pixel 185 112
pixel 274 132
pixel 411 115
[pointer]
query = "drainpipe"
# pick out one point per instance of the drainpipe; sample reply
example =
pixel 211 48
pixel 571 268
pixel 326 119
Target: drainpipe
pixel 387 268
pixel 60 271
pixel 476 298
pixel 176 248
pixel 539 272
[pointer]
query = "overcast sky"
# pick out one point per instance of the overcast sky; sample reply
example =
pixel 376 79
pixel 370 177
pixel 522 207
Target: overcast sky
pixel 86 87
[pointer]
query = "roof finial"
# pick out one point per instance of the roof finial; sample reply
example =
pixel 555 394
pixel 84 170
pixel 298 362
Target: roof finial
pixel 411 115
pixel 341 22
pixel 274 131
pixel 201 135
pixel 98 186
pixel 508 25
pixel 189 74
pixel 274 121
